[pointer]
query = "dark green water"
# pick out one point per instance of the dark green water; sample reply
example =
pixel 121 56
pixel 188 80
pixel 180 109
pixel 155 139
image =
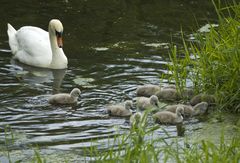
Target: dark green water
pixel 112 47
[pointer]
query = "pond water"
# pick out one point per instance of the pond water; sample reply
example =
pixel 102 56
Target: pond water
pixel 112 47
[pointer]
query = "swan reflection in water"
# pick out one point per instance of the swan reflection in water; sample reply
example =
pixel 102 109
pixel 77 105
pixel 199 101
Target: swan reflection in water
pixel 35 75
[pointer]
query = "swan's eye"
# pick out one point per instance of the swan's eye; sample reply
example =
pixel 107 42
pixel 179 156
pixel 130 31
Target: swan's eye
pixel 58 34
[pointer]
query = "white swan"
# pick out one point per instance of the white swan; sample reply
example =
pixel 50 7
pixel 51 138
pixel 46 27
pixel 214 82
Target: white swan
pixel 36 47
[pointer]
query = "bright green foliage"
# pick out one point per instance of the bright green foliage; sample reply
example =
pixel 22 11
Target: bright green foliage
pixel 137 148
pixel 216 67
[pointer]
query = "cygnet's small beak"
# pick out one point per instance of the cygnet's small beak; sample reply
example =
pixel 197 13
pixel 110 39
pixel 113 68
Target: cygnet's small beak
pixel 59 39
pixel 183 115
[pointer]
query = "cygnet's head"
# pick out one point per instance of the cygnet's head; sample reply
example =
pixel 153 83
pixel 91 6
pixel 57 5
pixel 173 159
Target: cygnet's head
pixel 138 116
pixel 201 108
pixel 154 100
pixel 180 110
pixel 128 104
pixel 75 93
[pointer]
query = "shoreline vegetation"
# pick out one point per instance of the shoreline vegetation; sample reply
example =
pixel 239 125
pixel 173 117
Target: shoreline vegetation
pixel 211 62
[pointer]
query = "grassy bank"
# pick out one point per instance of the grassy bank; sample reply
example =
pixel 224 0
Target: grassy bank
pixel 211 62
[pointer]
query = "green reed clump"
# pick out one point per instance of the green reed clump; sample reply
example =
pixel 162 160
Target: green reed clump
pixel 215 69
pixel 137 146
pixel 133 146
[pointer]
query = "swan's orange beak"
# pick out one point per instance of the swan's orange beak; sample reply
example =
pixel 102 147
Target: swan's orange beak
pixel 60 42
pixel 59 39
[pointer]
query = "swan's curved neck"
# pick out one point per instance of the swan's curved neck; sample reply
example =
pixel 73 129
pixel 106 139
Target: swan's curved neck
pixel 59 60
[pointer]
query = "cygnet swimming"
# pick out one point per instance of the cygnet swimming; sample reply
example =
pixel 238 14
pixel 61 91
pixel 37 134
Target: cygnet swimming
pixel 145 102
pixel 210 99
pixel 147 90
pixel 135 118
pixel 122 110
pixel 65 98
pixel 189 111
pixel 166 117
pixel 168 94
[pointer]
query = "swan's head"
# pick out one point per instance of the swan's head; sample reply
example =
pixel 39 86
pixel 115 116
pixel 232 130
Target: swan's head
pixel 56 28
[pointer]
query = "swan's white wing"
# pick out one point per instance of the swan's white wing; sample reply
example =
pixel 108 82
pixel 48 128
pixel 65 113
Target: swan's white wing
pixel 33 46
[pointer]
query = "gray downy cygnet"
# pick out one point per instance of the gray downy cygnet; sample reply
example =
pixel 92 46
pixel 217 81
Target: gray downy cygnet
pixel 200 108
pixel 122 110
pixel 171 86
pixel 166 117
pixel 168 94
pixel 147 90
pixel 189 111
pixel 135 118
pixel 65 98
pixel 145 102
pixel 210 99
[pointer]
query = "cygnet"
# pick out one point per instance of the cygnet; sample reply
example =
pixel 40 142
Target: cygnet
pixel 65 98
pixel 135 118
pixel 120 109
pixel 147 90
pixel 145 102
pixel 189 111
pixel 166 117
pixel 210 99
pixel 168 94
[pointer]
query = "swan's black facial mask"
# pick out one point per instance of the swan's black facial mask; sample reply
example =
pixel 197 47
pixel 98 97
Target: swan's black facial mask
pixel 59 34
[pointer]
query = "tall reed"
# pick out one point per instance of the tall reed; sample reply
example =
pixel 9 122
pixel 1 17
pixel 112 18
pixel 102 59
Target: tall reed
pixel 212 62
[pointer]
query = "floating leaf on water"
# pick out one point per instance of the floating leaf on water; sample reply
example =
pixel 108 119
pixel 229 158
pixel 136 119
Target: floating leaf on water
pixel 84 82
pixel 156 45
pixel 20 73
pixel 101 49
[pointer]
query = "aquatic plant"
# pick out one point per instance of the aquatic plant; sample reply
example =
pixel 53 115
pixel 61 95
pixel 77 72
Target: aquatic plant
pixel 140 146
pixel 211 62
